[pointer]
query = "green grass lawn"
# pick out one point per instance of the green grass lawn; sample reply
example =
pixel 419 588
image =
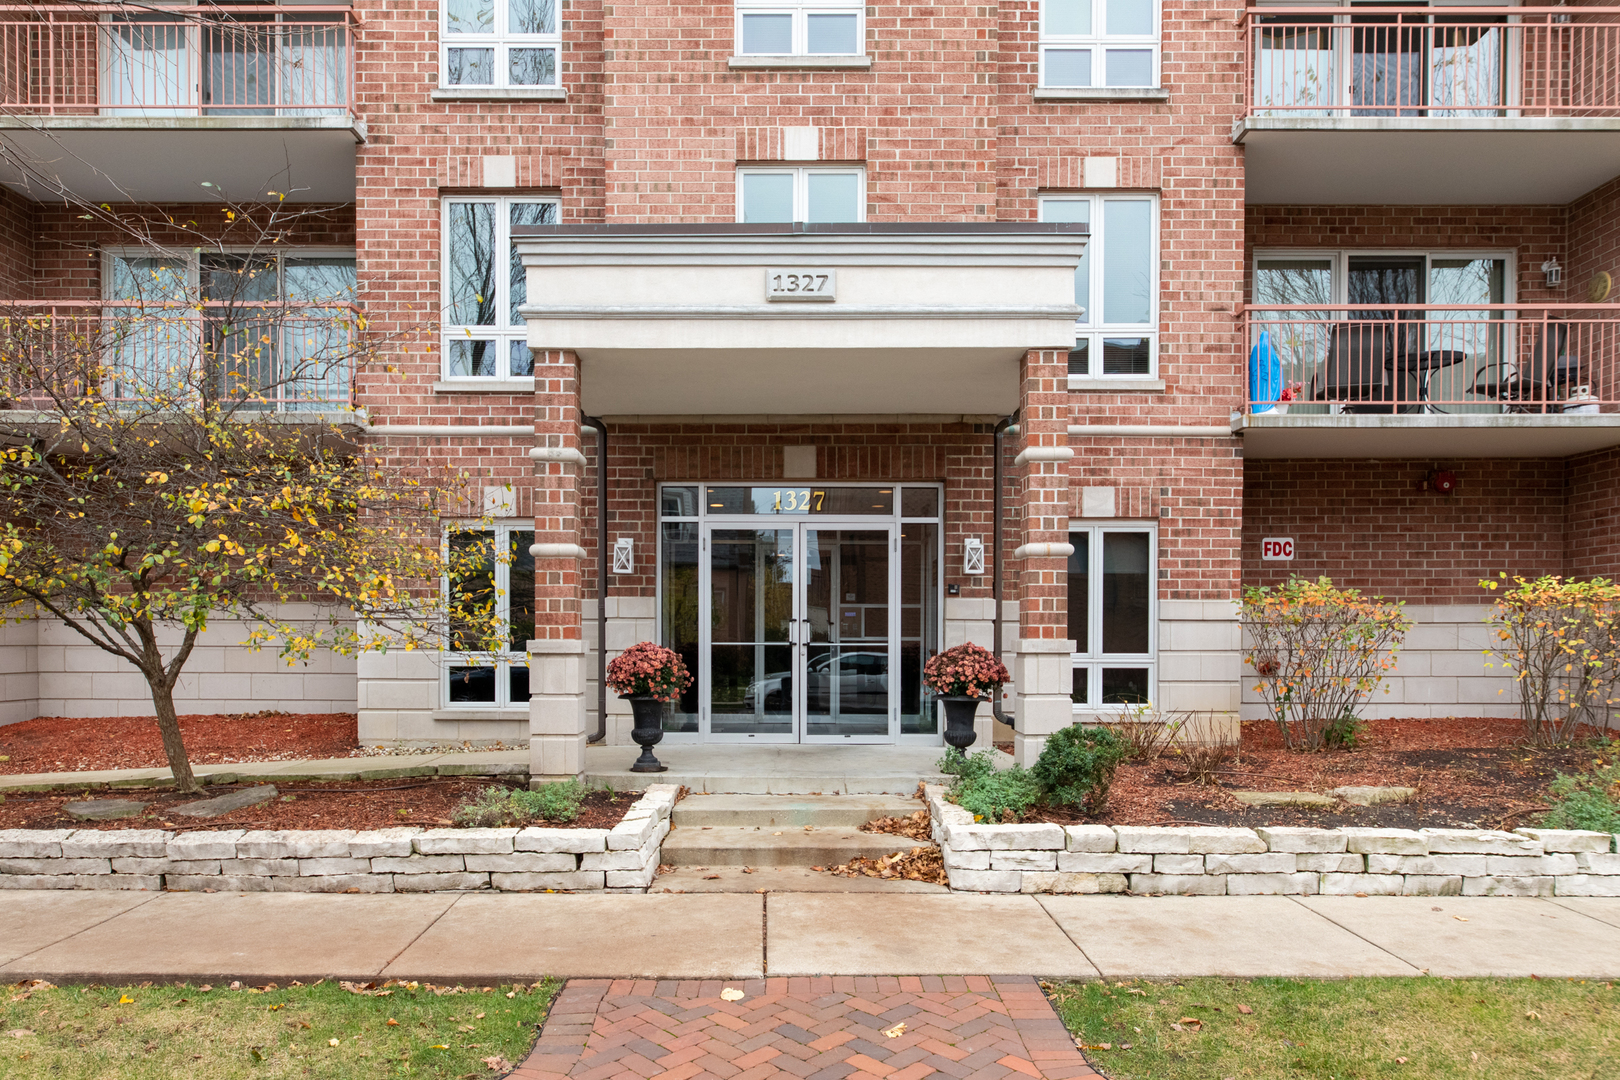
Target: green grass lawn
pixel 1349 1029
pixel 162 1032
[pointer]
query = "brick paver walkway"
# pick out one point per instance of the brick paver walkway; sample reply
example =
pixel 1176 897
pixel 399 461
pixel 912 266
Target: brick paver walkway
pixel 986 1028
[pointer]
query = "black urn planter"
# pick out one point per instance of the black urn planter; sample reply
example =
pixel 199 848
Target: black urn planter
pixel 959 710
pixel 648 731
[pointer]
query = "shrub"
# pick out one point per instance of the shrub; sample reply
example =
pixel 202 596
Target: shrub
pixel 1343 733
pixel 1319 651
pixel 1561 641
pixel 1076 767
pixel 1201 763
pixel 967 670
pixel 998 795
pixel 498 807
pixel 1147 733
pixel 646 668
pixel 1588 801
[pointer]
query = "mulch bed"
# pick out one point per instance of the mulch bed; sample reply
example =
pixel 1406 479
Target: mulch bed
pixel 374 804
pixel 65 744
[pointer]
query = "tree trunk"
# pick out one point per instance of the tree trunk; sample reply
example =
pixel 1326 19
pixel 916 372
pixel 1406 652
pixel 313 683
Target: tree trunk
pixel 169 725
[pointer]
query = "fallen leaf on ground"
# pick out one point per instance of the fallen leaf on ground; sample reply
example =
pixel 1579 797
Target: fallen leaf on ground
pixel 731 993
pixel 711 877
pixel 1192 1022
pixel 1400 1061
pixel 125 999
pixel 19 1033
pixel 497 1062
pixel 1245 1010
pixel 331 1042
pixel 439 1046
pixel 1459 918
pixel 896 1031
pixel 392 1022
pixel 918 864
pixel 913 826
pixel 1532 1015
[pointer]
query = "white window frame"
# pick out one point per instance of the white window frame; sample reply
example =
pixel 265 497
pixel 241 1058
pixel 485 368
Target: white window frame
pixel 1094 660
pixel 801 185
pixel 1089 327
pixel 1098 42
pixel 503 662
pixel 502 42
pixel 801 12
pixel 1340 258
pixel 502 332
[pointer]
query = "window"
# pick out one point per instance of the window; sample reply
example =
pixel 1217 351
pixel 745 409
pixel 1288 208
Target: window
pixel 484 336
pixel 1099 43
pixel 504 587
pixel 806 28
pixel 1116 284
pixel 1113 614
pixel 499 43
pixel 813 195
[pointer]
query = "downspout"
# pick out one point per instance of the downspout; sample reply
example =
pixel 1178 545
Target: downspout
pixel 998 479
pixel 601 573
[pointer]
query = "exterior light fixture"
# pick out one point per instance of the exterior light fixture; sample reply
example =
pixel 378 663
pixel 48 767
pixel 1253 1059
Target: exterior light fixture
pixel 973 557
pixel 1553 272
pixel 624 561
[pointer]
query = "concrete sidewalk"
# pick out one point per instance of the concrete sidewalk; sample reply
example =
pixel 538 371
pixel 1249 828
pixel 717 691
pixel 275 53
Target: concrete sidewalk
pixel 482 936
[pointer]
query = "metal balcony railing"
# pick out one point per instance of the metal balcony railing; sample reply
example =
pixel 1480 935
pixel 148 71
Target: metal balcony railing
pixel 144 62
pixel 1434 358
pixel 264 357
pixel 1377 61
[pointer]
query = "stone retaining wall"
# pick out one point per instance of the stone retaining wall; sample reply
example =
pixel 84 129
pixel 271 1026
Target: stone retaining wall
pixel 1270 861
pixel 621 859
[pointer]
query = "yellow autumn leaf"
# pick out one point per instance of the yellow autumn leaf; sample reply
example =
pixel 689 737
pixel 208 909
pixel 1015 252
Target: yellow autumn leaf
pixel 125 999
pixel 731 993
pixel 896 1031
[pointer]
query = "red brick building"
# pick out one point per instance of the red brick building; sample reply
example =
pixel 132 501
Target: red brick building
pixel 1215 276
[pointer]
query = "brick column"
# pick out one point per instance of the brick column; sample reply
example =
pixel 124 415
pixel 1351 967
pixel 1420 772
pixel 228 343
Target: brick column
pixel 1042 678
pixel 557 680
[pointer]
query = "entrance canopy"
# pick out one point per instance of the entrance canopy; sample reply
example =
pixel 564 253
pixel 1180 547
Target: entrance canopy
pixel 850 318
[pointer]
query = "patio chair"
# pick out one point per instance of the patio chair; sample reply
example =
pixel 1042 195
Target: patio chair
pixel 1358 373
pixel 1535 385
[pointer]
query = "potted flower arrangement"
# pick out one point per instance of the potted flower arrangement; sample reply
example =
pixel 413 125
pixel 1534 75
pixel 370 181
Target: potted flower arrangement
pixel 648 675
pixel 1290 394
pixel 963 676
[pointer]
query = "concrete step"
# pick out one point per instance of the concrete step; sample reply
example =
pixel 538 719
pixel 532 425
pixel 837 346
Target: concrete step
pixel 733 879
pixel 730 846
pixel 797 811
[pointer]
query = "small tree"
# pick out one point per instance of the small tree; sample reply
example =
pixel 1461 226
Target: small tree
pixel 1319 651
pixel 1561 641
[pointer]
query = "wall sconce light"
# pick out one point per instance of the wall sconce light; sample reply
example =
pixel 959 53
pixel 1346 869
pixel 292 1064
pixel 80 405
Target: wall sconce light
pixel 973 557
pixel 624 555
pixel 1554 273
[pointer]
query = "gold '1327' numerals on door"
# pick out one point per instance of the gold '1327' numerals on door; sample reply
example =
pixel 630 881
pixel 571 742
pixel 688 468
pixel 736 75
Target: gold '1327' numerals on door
pixel 802 500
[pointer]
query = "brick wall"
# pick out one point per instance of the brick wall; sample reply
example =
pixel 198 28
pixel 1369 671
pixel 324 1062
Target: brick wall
pixel 16 246
pixel 1592 529
pixel 1594 238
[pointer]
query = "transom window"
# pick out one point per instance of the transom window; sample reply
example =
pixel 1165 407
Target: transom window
pixel 806 28
pixel 474 678
pixel 484 336
pixel 1116 284
pixel 499 43
pixel 1099 43
pixel 1113 615
pixel 766 196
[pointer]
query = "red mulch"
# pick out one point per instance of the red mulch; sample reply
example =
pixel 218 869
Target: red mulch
pixel 373 804
pixel 63 744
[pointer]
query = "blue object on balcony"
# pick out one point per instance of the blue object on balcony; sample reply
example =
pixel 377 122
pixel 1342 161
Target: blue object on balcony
pixel 1265 375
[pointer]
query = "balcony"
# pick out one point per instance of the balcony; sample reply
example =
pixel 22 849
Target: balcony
pixel 115 103
pixel 1429 105
pixel 1431 380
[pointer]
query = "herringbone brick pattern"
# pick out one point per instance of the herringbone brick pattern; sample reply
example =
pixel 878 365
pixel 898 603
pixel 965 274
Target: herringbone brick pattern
pixel 860 1028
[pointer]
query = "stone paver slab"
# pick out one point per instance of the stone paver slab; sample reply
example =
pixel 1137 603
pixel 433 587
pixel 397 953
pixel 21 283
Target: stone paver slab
pixel 620 935
pixel 1461 936
pixel 31 920
pixel 1604 909
pixel 1238 936
pixel 817 933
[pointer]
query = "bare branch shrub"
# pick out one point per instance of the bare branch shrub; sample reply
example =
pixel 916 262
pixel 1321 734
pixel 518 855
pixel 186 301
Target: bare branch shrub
pixel 1146 732
pixel 1561 641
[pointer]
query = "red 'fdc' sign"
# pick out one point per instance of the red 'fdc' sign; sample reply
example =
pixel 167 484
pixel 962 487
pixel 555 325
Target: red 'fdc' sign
pixel 1277 548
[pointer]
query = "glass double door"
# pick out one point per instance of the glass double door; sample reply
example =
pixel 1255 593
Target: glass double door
pixel 801 632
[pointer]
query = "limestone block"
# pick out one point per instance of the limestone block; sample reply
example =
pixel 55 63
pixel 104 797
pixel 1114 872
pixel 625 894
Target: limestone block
pixel 1439 865
pixel 965 860
pixel 1272 884
pixel 1040 882
pixel 621 860
pixel 1179 884
pixel 1179 864
pixel 55 866
pixel 1479 842
pixel 1330 863
pixel 37 881
pixel 1592 862
pixel 336 883
pixel 1153 839
pixel 1508 886
pixel 1352 884
pixel 391 843
pixel 419 864
pixel 1569 839
pixel 577 881
pixel 1092 838
pixel 165 866
pixel 259 867
pixel 1431 885
pixel 127 882
pixel 1213 841
pixel 222 883
pixel 631 879
pixel 524 862
pixel 1386 842
pixel 440 882
pixel 1023 860
pixel 32 843
pixel 204 845
pixel 1577 885
pixel 997 881
pixel 1115 862
pixel 116 844
pixel 1303 841
pixel 464 841
pixel 631 833
pixel 1273 862
pixel 295 844
pixel 1531 866
pixel 329 867
pixel 577 841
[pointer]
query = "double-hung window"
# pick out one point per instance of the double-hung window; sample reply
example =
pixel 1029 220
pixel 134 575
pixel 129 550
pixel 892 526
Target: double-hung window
pixel 805 28
pixel 773 195
pixel 485 285
pixel 1099 43
pixel 1116 284
pixel 1113 609
pixel 494 586
pixel 498 43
